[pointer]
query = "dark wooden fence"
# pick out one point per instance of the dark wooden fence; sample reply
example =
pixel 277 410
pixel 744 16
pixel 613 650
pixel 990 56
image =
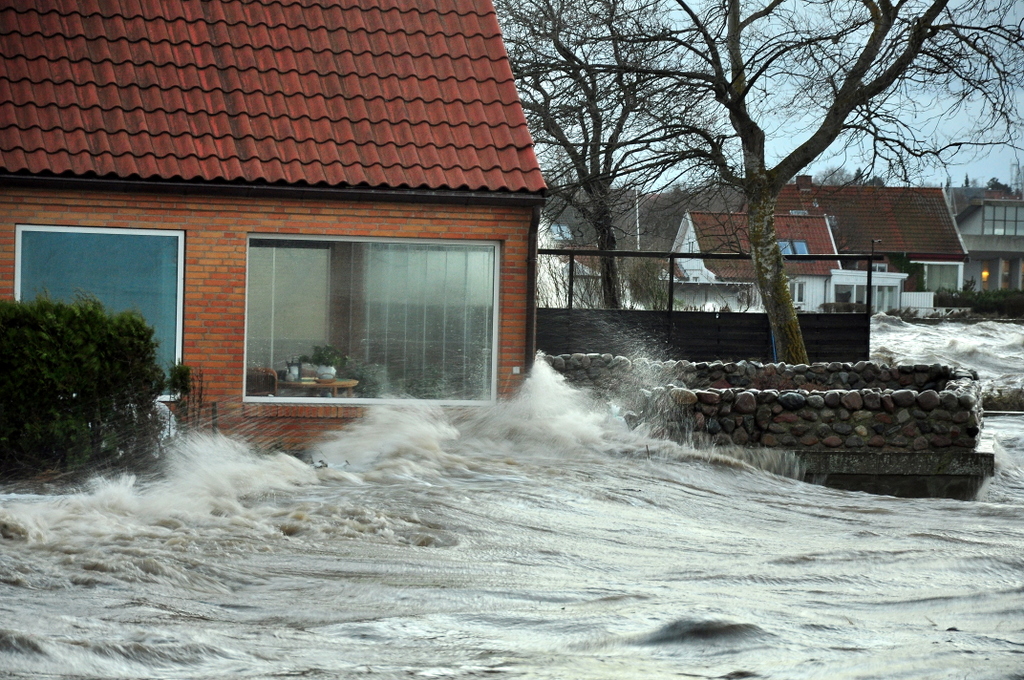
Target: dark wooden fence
pixel 696 336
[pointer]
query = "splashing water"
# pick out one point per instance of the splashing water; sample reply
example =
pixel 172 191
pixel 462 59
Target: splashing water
pixel 538 537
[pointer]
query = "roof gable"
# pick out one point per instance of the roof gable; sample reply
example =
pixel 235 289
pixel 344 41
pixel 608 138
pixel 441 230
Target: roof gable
pixel 387 93
pixel 911 220
pixel 729 233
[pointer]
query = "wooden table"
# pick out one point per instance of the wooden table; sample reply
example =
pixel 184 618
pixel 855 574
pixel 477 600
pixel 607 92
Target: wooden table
pixel 315 386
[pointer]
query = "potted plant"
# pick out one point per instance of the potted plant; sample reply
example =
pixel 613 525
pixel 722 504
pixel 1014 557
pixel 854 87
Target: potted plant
pixel 327 360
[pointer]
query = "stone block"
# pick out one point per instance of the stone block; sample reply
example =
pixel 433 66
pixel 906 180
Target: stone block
pixel 904 398
pixel 852 401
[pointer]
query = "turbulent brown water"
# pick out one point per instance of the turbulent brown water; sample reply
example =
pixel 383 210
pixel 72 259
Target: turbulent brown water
pixel 537 538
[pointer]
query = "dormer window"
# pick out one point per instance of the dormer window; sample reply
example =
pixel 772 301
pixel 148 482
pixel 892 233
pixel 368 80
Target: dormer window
pixel 798 212
pixel 792 247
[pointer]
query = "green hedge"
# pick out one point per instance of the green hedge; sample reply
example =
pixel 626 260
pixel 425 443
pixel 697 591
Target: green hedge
pixel 77 386
pixel 1004 303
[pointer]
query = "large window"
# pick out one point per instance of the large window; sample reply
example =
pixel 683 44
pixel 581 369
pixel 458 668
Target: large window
pixel 1002 219
pixel 126 269
pixel 884 297
pixel 403 319
pixel 938 276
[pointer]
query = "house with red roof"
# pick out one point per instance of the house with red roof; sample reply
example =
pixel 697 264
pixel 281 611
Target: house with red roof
pixel 913 227
pixel 707 283
pixel 277 185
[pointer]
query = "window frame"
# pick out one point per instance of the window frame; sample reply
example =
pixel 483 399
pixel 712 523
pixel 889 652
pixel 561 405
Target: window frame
pixel 365 401
pixel 942 263
pixel 794 246
pixel 179 234
pixel 798 291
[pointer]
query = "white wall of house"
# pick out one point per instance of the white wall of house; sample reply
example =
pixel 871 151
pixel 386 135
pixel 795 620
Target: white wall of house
pixel 809 292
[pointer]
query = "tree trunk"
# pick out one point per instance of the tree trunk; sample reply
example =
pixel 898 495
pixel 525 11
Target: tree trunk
pixel 609 265
pixel 771 280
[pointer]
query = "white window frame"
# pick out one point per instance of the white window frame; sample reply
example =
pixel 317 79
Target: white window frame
pixel 178 233
pixel 798 291
pixel 959 269
pixel 338 401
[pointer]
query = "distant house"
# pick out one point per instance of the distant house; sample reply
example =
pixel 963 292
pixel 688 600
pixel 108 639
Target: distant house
pixel 716 284
pixel 912 226
pixel 704 283
pixel 993 231
pixel 264 179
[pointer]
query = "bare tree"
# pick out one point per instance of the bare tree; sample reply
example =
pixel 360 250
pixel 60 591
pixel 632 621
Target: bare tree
pixel 792 80
pixel 603 111
pixel 871 74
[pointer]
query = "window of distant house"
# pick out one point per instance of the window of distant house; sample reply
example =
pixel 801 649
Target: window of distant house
pixel 125 269
pixel 879 267
pixel 944 276
pixel 791 247
pixel 884 297
pixel 797 290
pixel 1003 220
pixel 402 319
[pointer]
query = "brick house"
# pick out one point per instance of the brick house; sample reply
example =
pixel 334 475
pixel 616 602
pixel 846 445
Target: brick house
pixel 264 179
pixel 912 226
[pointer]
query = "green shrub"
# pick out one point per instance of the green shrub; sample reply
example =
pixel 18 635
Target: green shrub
pixel 77 386
pixel 1004 303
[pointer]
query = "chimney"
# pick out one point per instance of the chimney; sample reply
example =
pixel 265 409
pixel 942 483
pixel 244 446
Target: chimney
pixel 804 182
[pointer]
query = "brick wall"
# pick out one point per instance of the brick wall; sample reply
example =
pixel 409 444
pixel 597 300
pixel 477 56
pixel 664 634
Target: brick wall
pixel 216 231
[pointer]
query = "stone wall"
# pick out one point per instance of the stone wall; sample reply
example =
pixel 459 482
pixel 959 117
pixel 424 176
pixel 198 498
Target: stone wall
pixel 819 407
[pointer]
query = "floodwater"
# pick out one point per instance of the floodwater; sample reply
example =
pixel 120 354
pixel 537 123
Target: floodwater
pixel 538 538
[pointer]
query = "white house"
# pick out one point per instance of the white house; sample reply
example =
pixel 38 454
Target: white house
pixel 714 284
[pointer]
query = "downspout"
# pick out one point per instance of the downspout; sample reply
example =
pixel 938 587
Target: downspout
pixel 531 289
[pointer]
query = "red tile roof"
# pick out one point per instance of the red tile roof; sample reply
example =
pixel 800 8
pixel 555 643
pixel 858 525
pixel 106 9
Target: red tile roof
pixel 379 93
pixel 728 233
pixel 909 220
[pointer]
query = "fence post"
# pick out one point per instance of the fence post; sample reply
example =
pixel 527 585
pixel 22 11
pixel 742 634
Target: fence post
pixel 671 296
pixel 671 283
pixel 572 271
pixel 870 298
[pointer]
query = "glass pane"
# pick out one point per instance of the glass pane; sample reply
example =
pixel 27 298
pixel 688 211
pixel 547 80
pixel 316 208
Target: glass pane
pixel 941 276
pixel 414 320
pixel 124 271
pixel 800 247
pixel 287 309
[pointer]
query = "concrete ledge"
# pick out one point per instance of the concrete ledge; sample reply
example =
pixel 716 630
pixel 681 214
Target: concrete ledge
pixel 898 463
pixel 957 487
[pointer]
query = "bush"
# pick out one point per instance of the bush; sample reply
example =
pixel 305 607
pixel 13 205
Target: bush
pixel 1004 303
pixel 77 386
